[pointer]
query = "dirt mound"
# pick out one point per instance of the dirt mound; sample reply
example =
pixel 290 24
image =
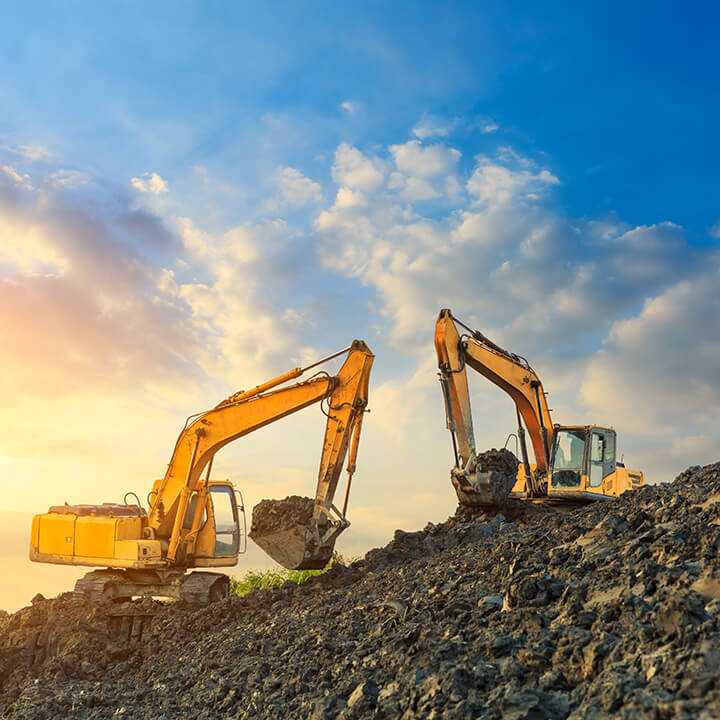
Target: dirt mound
pixel 273 515
pixel 612 610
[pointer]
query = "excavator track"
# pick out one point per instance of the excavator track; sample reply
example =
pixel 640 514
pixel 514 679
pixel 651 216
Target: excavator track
pixel 197 588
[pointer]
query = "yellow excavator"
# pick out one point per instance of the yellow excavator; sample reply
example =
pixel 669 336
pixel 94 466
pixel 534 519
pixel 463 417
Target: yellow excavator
pixel 574 464
pixel 193 521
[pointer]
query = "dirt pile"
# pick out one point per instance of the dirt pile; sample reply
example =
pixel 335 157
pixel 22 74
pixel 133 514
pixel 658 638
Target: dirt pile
pixel 611 610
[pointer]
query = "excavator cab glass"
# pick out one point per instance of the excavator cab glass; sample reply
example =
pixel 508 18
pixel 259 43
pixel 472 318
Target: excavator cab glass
pixel 602 455
pixel 568 456
pixel 225 512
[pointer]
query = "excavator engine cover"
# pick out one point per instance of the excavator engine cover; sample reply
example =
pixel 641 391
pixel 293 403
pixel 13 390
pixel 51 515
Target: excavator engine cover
pixel 287 531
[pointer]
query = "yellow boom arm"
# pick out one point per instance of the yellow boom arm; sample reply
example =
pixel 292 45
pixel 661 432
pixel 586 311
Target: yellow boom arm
pixel 508 371
pixel 244 412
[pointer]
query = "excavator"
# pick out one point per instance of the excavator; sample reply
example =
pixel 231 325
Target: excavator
pixel 574 464
pixel 193 521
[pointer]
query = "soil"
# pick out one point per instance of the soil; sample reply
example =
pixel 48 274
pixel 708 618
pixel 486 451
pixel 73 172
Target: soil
pixel 502 461
pixel 611 610
pixel 273 515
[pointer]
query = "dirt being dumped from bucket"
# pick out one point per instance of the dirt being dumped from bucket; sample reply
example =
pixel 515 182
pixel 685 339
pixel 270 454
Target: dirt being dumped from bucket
pixel 502 461
pixel 274 515
pixel 496 475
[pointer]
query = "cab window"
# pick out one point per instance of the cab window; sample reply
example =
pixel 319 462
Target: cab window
pixel 597 445
pixel 569 449
pixel 227 534
pixel 602 456
pixel 609 454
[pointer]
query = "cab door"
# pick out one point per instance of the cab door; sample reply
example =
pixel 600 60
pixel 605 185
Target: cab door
pixel 601 458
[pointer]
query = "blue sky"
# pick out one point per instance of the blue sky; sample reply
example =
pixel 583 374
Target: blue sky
pixel 621 96
pixel 195 197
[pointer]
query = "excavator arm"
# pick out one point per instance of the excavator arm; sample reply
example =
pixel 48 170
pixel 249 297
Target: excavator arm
pixel 206 433
pixel 508 371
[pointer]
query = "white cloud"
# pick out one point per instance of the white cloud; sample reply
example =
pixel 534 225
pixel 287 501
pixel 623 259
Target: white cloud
pixel 488 126
pixel 664 363
pixel 496 182
pixel 530 274
pixel 30 152
pixel 412 158
pixel 425 172
pixel 354 170
pixel 253 329
pixel 67 179
pixel 715 230
pixel 297 190
pixel 431 126
pixel 22 181
pixel 149 183
pixel 349 107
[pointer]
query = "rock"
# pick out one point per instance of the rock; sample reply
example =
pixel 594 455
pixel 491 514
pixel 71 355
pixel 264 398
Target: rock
pixel 364 696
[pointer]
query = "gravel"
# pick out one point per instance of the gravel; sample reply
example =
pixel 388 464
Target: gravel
pixel 611 610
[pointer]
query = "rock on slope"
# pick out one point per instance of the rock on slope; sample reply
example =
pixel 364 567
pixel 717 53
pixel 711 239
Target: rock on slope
pixel 611 610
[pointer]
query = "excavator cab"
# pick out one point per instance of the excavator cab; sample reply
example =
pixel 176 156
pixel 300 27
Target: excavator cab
pixel 583 464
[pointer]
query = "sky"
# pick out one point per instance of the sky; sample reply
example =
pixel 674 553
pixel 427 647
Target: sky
pixel 195 198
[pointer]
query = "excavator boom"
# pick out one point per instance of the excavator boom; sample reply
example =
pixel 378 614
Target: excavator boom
pixel 508 371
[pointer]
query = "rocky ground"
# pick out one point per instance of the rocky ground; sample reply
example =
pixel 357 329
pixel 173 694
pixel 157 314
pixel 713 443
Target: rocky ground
pixel 612 610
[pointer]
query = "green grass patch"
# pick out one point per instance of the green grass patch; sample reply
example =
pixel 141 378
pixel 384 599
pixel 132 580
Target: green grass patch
pixel 254 579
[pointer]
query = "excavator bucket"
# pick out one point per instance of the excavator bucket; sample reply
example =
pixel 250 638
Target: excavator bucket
pixel 490 482
pixel 287 531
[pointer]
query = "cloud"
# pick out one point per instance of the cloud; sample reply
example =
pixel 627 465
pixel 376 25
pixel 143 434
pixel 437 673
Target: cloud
pixel 349 107
pixel 432 126
pixel 424 172
pixel 620 321
pixel 544 285
pixel 354 170
pixel 21 181
pixel 412 158
pixel 297 190
pixel 663 364
pixel 715 230
pixel 81 308
pixel 30 152
pixel 496 182
pixel 244 302
pixel 149 183
pixel 67 179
